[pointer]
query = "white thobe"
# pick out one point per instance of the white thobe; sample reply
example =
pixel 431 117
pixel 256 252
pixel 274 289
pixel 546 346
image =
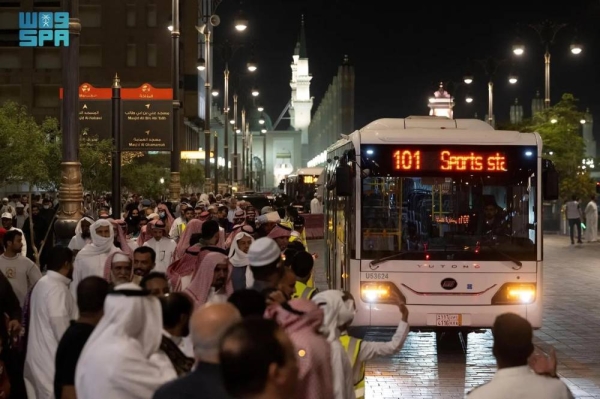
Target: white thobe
pixel 343 382
pixel 216 296
pixel 52 308
pixel 177 228
pixel 88 266
pixel 521 383
pixel 316 206
pixel 78 242
pixel 164 252
pixel 591 221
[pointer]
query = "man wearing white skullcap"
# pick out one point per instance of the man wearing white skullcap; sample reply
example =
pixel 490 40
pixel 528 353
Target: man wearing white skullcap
pixel 264 257
pixel 121 359
pixel 90 261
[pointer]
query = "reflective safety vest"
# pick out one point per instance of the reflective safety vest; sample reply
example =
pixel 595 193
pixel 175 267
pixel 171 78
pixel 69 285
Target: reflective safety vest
pixel 303 291
pixel 352 347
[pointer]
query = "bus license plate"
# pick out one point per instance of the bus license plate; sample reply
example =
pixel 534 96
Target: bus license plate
pixel 448 320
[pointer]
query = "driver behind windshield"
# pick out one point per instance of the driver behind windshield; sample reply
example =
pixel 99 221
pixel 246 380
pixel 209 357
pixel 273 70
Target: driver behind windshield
pixel 492 221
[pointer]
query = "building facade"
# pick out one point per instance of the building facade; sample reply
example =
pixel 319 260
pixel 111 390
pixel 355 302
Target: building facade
pixel 334 115
pixel 125 37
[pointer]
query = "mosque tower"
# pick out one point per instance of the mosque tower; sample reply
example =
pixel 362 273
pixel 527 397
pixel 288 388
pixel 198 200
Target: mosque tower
pixel 302 102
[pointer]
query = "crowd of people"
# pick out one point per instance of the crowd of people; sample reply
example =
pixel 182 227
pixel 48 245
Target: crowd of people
pixel 211 299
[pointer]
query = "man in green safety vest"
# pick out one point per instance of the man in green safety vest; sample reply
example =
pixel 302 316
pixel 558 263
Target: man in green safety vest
pixel 360 351
pixel 302 265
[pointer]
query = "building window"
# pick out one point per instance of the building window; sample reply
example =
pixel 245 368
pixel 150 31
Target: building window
pixel 10 93
pixel 10 3
pixel 10 58
pixel 152 56
pixel 131 55
pixel 90 56
pixel 46 96
pixel 47 58
pixel 131 15
pixel 90 16
pixel 151 18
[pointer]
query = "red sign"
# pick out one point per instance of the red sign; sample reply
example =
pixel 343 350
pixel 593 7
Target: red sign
pixel 89 92
pixel 446 160
pixel 146 92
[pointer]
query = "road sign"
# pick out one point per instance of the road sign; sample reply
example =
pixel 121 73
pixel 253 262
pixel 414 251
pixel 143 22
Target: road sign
pixel 95 110
pixel 147 119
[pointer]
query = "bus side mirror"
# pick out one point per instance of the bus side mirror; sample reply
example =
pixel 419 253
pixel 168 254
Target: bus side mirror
pixel 549 181
pixel 343 181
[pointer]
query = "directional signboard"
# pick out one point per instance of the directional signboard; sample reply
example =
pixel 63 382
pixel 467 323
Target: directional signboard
pixel 147 119
pixel 94 112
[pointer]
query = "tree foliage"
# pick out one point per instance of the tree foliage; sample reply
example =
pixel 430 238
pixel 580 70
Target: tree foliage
pixel 560 128
pixel 192 177
pixel 25 147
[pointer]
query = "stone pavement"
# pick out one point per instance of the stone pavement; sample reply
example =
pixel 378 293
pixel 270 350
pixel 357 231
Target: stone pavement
pixel 571 326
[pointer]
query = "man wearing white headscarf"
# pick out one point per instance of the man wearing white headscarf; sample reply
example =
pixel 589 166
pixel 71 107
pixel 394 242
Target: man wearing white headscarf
pixel 91 259
pixel 82 235
pixel 337 314
pixel 121 358
pixel 241 277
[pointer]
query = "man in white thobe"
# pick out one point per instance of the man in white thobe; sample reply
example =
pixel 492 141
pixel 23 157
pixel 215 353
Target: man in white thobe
pixel 316 206
pixel 91 259
pixel 82 235
pixel 52 307
pixel 591 220
pixel 120 359
pixel 163 247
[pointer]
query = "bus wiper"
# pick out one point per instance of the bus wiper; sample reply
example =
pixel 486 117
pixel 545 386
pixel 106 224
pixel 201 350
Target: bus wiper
pixel 506 256
pixel 391 257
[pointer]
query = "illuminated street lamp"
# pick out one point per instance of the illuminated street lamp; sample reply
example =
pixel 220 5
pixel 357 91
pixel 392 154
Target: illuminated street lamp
pixel 468 79
pixel 252 65
pixel 260 108
pixel 469 99
pixel 241 22
pixel 255 92
pixel 215 93
pixel 512 79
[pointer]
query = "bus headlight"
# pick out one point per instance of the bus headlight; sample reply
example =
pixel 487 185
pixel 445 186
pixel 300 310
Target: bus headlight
pixel 379 292
pixel 515 293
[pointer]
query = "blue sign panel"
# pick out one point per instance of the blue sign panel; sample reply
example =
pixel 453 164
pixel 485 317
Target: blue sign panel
pixel 37 29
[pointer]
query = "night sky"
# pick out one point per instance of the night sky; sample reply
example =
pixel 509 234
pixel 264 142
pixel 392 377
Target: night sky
pixel 401 50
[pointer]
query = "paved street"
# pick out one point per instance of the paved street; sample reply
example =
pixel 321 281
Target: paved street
pixel 571 326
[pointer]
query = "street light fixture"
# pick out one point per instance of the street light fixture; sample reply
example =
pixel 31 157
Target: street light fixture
pixel 512 79
pixel 263 131
pixel 232 122
pixel 547 32
pixel 241 22
pixel 576 47
pixel 260 108
pixel 255 92
pixel 553 120
pixel 201 64
pixel 468 79
pixel 469 99
pixel 261 121
pixel 582 121
pixel 518 47
pixel 252 65
pixel 215 93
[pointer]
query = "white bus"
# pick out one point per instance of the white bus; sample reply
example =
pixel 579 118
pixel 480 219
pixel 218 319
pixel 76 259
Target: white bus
pixel 301 183
pixel 446 213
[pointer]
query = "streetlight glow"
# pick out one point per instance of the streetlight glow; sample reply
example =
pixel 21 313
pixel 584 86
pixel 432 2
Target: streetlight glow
pixel 468 79
pixel 582 121
pixel 512 79
pixel 232 121
pixel 201 64
pixel 518 49
pixel 260 108
pixel 263 130
pixel 576 48
pixel 255 92
pixel 553 120
pixel 469 99
pixel 215 93
pixel 261 121
pixel 241 22
pixel 252 66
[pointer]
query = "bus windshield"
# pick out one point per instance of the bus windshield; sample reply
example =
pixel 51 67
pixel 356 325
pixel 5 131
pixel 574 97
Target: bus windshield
pixel 427 215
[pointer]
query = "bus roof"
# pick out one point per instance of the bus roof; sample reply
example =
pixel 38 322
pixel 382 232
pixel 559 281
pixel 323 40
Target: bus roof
pixel 435 130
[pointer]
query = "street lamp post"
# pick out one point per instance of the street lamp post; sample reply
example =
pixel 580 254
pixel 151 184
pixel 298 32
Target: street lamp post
pixel 234 178
pixel 490 66
pixel 71 190
pixel 547 32
pixel 175 183
pixel 226 122
pixel 243 129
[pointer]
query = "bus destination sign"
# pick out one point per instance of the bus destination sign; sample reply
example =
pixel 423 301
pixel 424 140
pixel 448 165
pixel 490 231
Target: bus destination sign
pixel 448 160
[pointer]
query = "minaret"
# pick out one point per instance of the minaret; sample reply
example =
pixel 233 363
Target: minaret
pixel 441 103
pixel 537 104
pixel 588 135
pixel 302 102
pixel 516 113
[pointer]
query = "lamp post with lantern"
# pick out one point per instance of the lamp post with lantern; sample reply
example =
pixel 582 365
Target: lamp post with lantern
pixel 547 32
